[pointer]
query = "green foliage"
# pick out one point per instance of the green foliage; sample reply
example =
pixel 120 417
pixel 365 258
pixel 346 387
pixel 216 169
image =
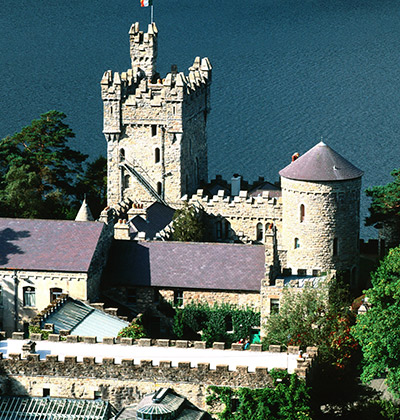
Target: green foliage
pixel 300 317
pixel 378 330
pixel 35 329
pixel 385 205
pixel 318 316
pixel 94 185
pixel 135 330
pixel 38 170
pixel 288 399
pixel 214 322
pixel 188 225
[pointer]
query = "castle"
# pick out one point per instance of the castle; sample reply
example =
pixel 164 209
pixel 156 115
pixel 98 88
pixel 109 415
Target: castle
pixel 157 152
pixel 265 237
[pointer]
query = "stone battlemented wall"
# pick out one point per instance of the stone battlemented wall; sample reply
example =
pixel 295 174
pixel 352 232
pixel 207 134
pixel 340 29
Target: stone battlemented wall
pixel 243 213
pixel 124 383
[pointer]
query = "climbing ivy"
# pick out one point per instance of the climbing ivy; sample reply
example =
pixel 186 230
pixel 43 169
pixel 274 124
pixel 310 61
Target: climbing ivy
pixel 287 399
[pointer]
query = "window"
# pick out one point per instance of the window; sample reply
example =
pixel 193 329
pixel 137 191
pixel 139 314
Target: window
pixel 29 296
pixel 259 231
pixel 227 229
pixel 46 392
pixel 153 130
pixel 274 306
pixel 122 155
pixel 218 229
pixel 296 243
pixel 157 155
pixel 159 188
pixel 97 395
pixel 131 295
pixel 302 213
pixel 55 293
pixel 178 297
pixel 126 181
pixel 335 247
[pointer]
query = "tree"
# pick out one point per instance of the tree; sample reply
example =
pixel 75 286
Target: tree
pixel 39 171
pixel 385 210
pixel 94 185
pixel 188 225
pixel 316 316
pixel 385 205
pixel 378 330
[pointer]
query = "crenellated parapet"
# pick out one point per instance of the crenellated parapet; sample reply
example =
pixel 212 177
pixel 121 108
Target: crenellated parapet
pixel 242 217
pixel 155 127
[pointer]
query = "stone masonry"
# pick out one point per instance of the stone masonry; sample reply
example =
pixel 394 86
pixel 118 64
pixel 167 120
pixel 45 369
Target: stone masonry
pixel 155 128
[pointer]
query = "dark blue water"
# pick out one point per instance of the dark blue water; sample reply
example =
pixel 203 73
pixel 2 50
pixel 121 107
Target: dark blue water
pixel 286 73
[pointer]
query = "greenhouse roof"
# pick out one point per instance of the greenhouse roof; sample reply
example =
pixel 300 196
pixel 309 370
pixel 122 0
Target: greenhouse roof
pixel 26 408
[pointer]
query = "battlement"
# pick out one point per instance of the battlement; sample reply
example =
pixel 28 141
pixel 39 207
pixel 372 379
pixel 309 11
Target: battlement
pixel 243 197
pixel 143 49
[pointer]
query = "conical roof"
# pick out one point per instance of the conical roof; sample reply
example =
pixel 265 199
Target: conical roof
pixel 321 163
pixel 84 213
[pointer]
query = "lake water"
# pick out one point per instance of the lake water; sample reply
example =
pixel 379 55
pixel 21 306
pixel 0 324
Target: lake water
pixel 286 74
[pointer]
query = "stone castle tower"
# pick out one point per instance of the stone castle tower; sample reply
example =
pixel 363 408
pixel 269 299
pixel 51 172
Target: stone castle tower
pixel 155 128
pixel 321 212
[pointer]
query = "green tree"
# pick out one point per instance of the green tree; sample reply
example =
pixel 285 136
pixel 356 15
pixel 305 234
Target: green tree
pixel 93 185
pixel 385 204
pixel 378 330
pixel 188 224
pixel 39 171
pixel 317 316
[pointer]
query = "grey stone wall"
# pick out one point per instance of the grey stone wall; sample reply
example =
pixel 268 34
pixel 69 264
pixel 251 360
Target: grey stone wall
pixel 332 210
pixel 144 113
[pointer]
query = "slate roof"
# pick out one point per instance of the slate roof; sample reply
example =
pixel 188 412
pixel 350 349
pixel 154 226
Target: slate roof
pixel 321 163
pixel 185 265
pixel 157 218
pixel 48 245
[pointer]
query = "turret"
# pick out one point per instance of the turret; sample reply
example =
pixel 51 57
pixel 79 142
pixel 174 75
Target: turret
pixel 143 47
pixel 321 212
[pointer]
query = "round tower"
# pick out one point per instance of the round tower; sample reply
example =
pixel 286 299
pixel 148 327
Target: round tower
pixel 321 212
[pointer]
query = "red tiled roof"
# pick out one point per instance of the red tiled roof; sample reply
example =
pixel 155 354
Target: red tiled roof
pixel 186 265
pixel 48 245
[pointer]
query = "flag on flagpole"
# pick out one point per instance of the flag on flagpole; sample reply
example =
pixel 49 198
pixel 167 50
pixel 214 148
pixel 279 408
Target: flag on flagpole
pixel 146 3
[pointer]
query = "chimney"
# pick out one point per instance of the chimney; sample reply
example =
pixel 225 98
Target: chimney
pixel 295 156
pixel 235 184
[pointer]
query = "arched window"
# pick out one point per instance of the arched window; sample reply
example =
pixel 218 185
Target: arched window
pixel 259 232
pixel 157 155
pixel 335 247
pixel 296 243
pixel 121 155
pixel 302 213
pixel 55 293
pixel 159 188
pixel 29 296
